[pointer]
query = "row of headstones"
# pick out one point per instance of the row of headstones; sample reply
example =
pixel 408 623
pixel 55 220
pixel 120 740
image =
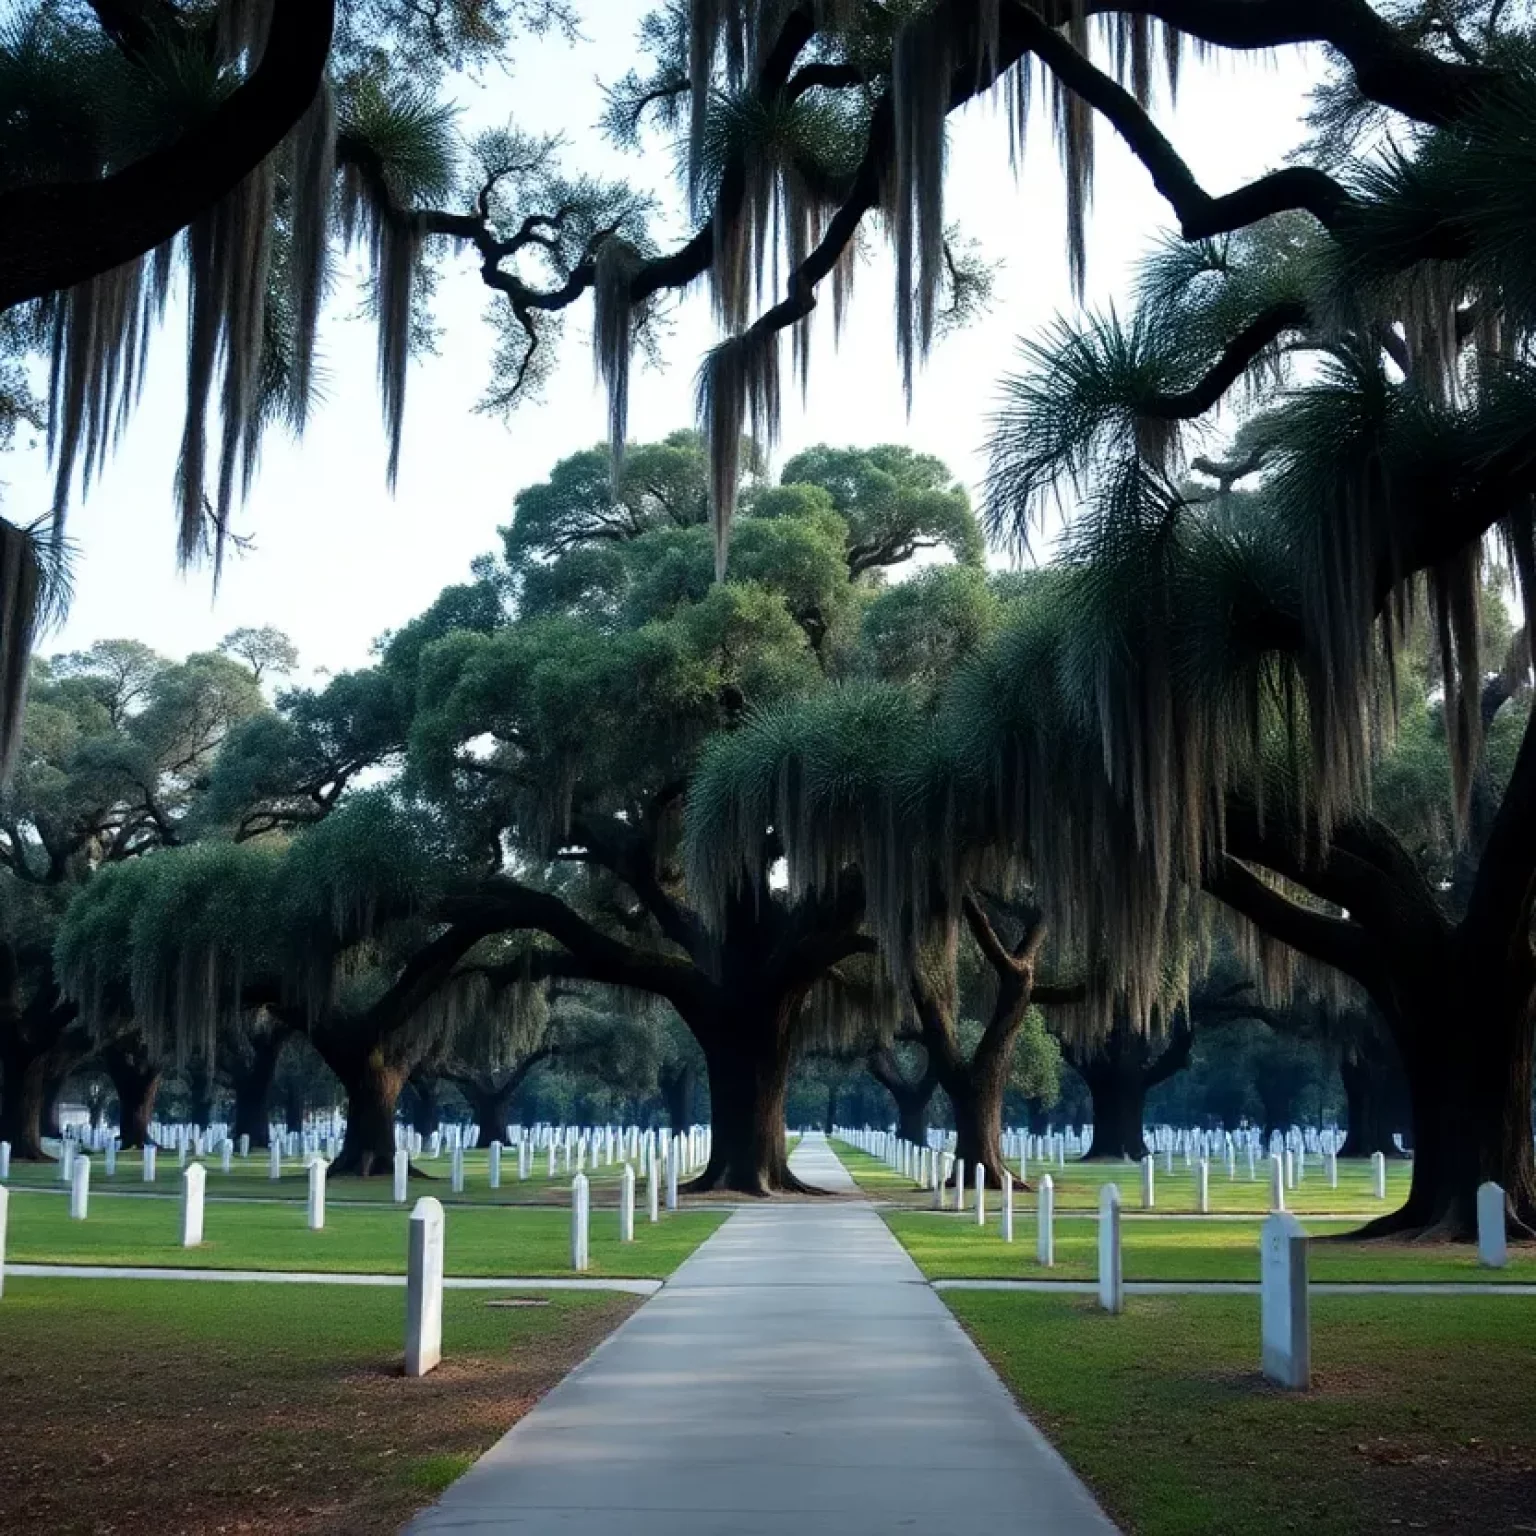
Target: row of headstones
pixel 603 1147
pixel 931 1167
pixel 1285 1171
pixel 670 1154
pixel 937 1169
pixel 1057 1146
pixel 564 1147
pixel 669 1167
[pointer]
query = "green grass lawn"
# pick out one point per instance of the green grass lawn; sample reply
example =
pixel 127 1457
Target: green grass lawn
pixel 1420 1416
pixel 509 1241
pixel 1078 1185
pixel 951 1247
pixel 264 1409
pixel 250 1179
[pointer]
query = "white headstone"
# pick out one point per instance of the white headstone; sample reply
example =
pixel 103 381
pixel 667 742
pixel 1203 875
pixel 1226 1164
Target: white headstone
pixel 1111 1284
pixel 244 1146
pixel 674 1157
pixel 1331 1167
pixel 1277 1182
pixel 959 1184
pixel 80 1189
pixel 981 1194
pixel 5 1203
pixel 1148 1183
pixel 1492 1241
pixel 1007 1206
pixel 1045 1234
pixel 317 1194
pixel 495 1164
pixel 456 1178
pixel 580 1211
pixel 1288 1162
pixel 275 1159
pixel 5 1159
pixel 402 1175
pixel 424 1288
pixel 149 1163
pixel 627 1204
pixel 1379 1175
pixel 1284 1302
pixel 653 1191
pixel 226 1155
pixel 193 1184
pixel 1203 1187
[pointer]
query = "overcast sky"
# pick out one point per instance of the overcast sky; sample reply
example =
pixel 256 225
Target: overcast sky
pixel 337 560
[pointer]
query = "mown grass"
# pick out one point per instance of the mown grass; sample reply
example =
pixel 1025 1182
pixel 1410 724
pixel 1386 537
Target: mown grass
pixel 952 1247
pixel 1078 1185
pixel 137 1406
pixel 1419 1418
pixel 480 1241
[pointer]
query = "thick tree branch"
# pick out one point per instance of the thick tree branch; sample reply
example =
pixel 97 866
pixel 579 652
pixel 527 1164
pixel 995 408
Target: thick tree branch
pixel 1200 215
pixel 1329 940
pixel 60 234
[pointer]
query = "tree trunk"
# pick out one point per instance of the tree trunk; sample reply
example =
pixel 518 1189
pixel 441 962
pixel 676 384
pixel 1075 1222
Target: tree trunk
pixel 1368 1099
pixel 294 1106
pixel 202 1088
pixel 677 1094
pixel 1118 1090
pixel 253 1088
pixel 1470 1089
pixel 137 1085
pixel 975 1089
pixel 747 1057
pixel 373 1091
pixel 829 1114
pixel 976 1097
pixel 23 1103
pixel 426 1111
pixel 53 1091
pixel 910 1096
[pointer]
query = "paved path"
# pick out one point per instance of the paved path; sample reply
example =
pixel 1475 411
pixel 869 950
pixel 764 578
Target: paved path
pixel 794 1376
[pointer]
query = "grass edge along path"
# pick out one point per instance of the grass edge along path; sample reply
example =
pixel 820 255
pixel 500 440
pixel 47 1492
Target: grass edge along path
pixel 1418 1418
pixel 275 1411
pixel 480 1241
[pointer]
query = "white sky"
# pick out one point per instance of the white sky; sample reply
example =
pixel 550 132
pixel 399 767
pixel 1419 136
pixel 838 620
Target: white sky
pixel 337 560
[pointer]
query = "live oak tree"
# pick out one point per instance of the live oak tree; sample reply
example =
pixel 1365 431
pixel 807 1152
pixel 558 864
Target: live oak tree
pixel 127 755
pixel 333 933
pixel 1239 646
pixel 569 728
pixel 116 741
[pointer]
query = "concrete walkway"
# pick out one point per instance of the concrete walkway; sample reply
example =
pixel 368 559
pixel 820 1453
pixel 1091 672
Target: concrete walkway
pixel 794 1376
